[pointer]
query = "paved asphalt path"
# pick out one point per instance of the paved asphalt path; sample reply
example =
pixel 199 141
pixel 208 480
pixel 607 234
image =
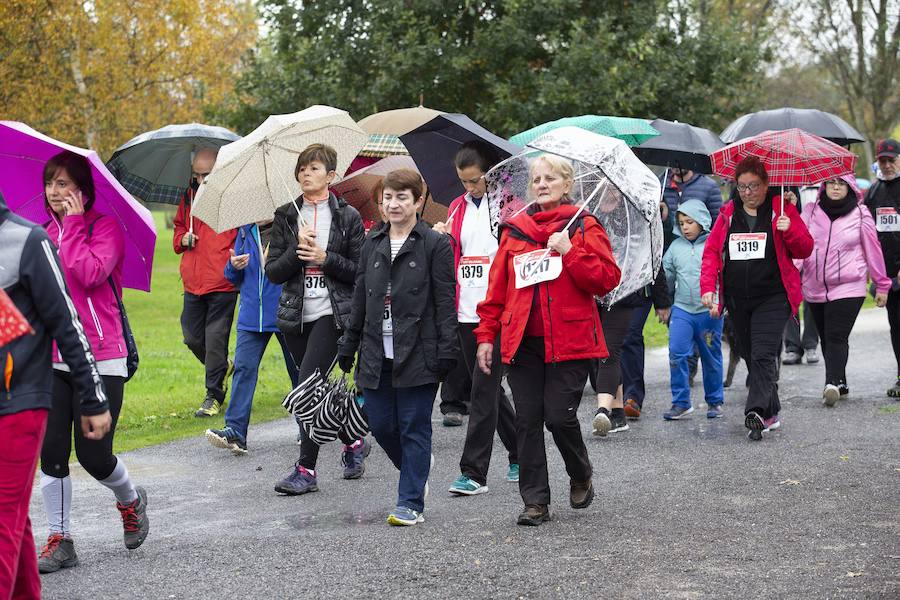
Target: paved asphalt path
pixel 686 509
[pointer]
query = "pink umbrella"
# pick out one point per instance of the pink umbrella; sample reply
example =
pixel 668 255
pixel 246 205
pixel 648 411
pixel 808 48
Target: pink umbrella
pixel 23 154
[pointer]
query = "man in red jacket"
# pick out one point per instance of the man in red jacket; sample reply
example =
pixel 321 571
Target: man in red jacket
pixel 209 298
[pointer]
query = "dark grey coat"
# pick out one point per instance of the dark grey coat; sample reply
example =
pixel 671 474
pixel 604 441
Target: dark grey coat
pixel 423 304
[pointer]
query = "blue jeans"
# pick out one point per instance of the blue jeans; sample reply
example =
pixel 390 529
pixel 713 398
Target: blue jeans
pixel 688 331
pixel 400 420
pixel 251 345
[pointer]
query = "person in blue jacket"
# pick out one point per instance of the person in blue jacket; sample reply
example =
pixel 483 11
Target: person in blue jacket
pixel 690 324
pixel 255 327
pixel 681 185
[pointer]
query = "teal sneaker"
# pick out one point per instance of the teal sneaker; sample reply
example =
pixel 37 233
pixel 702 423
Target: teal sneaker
pixel 512 475
pixel 405 516
pixel 463 486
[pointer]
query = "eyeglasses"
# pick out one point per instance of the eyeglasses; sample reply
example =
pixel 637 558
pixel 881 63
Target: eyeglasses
pixel 836 182
pixel 748 187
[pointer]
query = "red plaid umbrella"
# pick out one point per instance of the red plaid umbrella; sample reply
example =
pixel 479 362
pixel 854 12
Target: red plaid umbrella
pixel 791 157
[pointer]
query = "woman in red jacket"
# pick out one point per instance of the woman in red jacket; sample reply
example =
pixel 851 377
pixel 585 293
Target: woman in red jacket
pixel 540 300
pixel 748 261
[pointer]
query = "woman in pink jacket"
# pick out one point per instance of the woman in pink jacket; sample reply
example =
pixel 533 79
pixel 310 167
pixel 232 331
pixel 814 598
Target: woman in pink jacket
pixel 91 249
pixel 845 252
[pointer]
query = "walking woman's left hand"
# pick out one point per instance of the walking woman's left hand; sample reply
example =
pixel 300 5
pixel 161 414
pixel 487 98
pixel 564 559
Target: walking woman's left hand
pixel 880 299
pixel 483 356
pixel 783 223
pixel 95 427
pixel 560 242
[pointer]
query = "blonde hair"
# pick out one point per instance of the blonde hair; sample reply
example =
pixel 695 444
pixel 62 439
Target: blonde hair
pixel 559 165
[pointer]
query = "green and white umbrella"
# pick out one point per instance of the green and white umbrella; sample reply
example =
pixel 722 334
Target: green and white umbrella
pixel 631 131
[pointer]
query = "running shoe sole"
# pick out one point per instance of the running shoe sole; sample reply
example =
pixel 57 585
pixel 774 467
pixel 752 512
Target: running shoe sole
pixel 291 492
pixel 461 492
pixel 394 520
pixel 601 424
pixel 619 428
pixel 221 442
pixel 676 417
pixel 755 424
pixel 831 395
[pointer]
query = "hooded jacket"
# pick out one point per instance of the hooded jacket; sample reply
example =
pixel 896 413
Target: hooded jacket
pixel 572 328
pixel 846 251
pixel 684 258
pixel 795 243
pixel 259 296
pixel 201 266
pixel 698 187
pixel 32 276
pixel 91 249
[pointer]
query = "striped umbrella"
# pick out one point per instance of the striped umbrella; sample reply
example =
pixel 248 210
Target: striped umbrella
pixel 325 407
pixel 383 144
pixel 631 131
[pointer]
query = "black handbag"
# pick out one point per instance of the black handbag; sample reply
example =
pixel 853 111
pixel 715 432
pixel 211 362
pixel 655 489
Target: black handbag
pixel 132 360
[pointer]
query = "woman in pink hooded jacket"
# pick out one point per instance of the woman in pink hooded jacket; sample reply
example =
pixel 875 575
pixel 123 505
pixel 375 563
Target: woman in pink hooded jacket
pixel 91 248
pixel 845 254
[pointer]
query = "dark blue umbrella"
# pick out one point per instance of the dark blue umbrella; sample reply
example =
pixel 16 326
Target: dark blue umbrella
pixel 434 144
pixel 156 166
pixel 679 145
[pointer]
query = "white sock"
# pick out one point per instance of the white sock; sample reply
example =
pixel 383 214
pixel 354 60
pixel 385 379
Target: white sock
pixel 119 481
pixel 57 493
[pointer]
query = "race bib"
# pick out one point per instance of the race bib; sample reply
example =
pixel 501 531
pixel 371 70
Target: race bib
pixel 747 246
pixel 536 267
pixel 473 271
pixel 387 323
pixel 315 283
pixel 887 220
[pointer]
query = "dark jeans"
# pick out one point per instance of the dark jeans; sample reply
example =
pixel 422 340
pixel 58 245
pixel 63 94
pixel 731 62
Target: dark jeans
pixel 489 411
pixel 793 341
pixel 758 326
pixel 457 389
pixel 605 374
pixel 400 420
pixel 632 359
pixel 893 312
pixel 835 320
pixel 251 346
pixel 315 348
pixel 547 394
pixel 206 326
pixel 96 456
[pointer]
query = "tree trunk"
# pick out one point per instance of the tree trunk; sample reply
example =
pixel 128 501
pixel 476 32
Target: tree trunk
pixel 90 127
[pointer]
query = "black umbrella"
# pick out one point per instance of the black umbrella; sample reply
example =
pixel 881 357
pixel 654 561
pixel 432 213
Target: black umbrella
pixel 820 123
pixel 434 144
pixel 679 145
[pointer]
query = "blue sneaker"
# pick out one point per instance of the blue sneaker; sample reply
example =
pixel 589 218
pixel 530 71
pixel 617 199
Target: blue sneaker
pixel 463 486
pixel 512 475
pixel 299 481
pixel 676 412
pixel 405 516
pixel 227 439
pixel 714 411
pixel 353 458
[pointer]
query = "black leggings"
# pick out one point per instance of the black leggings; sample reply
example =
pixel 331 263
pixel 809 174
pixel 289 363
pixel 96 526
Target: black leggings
pixel 606 373
pixel 834 322
pixel 96 456
pixel 893 312
pixel 315 348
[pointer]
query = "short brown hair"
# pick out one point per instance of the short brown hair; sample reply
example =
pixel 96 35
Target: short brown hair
pixel 405 179
pixel 77 168
pixel 752 165
pixel 317 152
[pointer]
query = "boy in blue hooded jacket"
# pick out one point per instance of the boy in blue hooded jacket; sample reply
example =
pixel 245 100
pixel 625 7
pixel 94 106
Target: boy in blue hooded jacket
pixel 690 323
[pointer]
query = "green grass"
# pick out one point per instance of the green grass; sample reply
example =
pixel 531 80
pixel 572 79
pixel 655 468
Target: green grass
pixel 161 398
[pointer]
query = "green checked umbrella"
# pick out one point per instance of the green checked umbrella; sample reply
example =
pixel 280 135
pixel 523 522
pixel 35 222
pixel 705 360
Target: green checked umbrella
pixel 631 131
pixel 381 145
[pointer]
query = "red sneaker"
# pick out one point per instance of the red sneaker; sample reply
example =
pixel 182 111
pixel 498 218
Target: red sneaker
pixel 632 409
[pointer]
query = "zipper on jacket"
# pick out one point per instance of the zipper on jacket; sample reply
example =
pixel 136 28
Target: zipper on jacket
pixel 825 261
pixel 96 319
pixel 550 322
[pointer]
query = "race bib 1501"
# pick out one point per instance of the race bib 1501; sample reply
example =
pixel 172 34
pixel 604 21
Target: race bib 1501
pixel 887 220
pixel 387 322
pixel 747 246
pixel 536 267
pixel 314 283
pixel 473 271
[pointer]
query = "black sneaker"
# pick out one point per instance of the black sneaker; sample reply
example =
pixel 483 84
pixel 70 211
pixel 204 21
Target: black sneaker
pixel 227 439
pixel 618 421
pixel 754 422
pixel 135 521
pixel 58 553
pixel 894 392
pixel 452 419
pixel 844 390
pixel 601 423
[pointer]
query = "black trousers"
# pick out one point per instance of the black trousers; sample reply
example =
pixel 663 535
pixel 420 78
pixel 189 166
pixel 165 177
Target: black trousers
pixel 893 312
pixel 457 388
pixel 96 456
pixel 835 321
pixel 605 373
pixel 793 341
pixel 758 327
pixel 206 326
pixel 489 411
pixel 547 394
pixel 314 348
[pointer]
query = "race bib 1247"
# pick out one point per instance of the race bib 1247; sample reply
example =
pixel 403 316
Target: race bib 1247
pixel 536 267
pixel 747 246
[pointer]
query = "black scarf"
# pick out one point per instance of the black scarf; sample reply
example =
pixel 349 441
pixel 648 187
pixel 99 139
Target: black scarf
pixel 835 209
